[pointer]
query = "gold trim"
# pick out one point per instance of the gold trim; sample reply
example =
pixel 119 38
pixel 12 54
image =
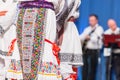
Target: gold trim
pixel 41 73
pixel 16 72
pixel 48 74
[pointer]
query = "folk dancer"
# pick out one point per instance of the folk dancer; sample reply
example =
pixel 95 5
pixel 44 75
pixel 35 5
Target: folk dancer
pixel 36 34
pixel 68 39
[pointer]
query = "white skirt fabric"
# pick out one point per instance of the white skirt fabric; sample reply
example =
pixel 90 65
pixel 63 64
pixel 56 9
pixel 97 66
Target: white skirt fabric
pixel 71 52
pixel 49 69
pixel 10 64
pixel 13 65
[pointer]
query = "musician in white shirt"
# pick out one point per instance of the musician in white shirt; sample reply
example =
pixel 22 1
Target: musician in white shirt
pixel 114 53
pixel 93 37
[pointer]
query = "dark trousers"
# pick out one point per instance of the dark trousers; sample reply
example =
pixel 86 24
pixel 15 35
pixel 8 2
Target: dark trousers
pixel 90 58
pixel 115 65
pixel 108 68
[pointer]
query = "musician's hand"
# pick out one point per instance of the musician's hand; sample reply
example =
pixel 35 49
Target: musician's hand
pixel 87 37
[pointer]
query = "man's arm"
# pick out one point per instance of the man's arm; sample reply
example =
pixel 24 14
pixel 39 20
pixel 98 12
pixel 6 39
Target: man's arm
pixel 84 35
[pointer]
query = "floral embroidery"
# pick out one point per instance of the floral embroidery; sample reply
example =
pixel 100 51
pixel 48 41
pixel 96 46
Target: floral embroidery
pixel 49 67
pixel 15 66
pixel 37 42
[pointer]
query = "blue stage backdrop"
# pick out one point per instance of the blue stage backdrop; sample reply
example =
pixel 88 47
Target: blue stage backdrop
pixel 105 9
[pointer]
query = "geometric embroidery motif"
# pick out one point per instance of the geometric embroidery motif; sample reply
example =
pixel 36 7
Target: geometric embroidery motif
pixel 68 57
pixel 49 67
pixel 30 35
pixel 28 38
pixel 15 66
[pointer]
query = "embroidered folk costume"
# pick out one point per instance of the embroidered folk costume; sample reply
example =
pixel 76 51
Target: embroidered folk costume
pixel 36 35
pixel 71 53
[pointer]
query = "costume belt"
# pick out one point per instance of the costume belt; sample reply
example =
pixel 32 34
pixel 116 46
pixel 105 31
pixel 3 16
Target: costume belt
pixel 55 50
pixel 72 76
pixel 71 20
pixel 11 49
pixel 3 13
pixel 36 4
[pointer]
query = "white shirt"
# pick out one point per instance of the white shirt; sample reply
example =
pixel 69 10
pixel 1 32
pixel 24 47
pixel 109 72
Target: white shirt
pixel 95 41
pixel 109 31
pixel 107 51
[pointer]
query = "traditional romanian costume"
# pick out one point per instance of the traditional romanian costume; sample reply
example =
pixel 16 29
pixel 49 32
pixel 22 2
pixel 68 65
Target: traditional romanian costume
pixel 69 41
pixel 36 35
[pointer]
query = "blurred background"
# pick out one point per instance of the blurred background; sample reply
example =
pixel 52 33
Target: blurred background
pixel 105 9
